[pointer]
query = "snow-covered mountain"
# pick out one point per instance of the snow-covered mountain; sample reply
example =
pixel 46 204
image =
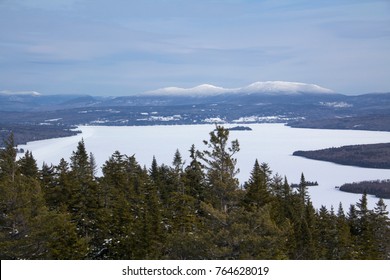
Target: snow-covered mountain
pixel 26 93
pixel 269 87
pixel 201 90
pixel 283 87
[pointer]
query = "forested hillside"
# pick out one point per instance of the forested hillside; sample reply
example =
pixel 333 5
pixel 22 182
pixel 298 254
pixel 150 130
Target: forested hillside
pixel 379 188
pixel 368 155
pixel 193 210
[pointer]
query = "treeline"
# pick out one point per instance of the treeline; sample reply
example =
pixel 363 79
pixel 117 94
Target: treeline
pixel 369 155
pixel 24 133
pixel 194 210
pixel 379 188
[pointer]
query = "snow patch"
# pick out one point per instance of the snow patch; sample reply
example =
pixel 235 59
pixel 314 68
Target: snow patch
pixel 336 104
pixel 162 118
pixel 53 120
pixel 214 120
pixel 261 119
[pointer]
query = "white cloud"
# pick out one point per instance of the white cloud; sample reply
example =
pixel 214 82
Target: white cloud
pixel 134 46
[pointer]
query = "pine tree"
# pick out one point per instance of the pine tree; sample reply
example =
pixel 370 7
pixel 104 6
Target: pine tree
pixel 84 197
pixel 8 165
pixel 28 165
pixel 22 206
pixel 221 167
pixel 257 193
pixel 93 165
pixel 365 239
pixel 302 189
pixel 57 184
pixel 343 246
pixel 194 177
pixel 80 163
pixel 381 230
pixel 302 216
pixel 60 238
pixel 178 162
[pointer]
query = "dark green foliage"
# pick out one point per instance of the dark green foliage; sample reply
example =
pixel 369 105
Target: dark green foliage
pixel 379 188
pixel 369 155
pixel 28 166
pixel 221 168
pixel 193 211
pixel 257 188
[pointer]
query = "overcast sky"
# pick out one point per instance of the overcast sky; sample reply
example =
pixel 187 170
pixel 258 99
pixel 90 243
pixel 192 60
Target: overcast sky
pixel 122 47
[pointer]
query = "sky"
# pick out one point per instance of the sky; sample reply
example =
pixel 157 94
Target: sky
pixel 124 47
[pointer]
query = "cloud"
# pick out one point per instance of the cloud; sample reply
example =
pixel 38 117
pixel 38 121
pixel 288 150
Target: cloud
pixel 140 45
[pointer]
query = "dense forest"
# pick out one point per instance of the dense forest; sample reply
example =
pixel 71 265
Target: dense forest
pixel 33 132
pixel 194 210
pixel 379 188
pixel 368 155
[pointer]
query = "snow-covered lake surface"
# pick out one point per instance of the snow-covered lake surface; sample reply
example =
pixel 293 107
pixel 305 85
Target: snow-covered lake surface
pixel 270 143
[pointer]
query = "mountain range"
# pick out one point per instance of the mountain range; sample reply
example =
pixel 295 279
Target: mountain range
pixel 296 104
pixel 270 87
pixel 34 101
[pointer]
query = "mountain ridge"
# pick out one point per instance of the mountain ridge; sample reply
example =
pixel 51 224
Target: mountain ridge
pixel 268 87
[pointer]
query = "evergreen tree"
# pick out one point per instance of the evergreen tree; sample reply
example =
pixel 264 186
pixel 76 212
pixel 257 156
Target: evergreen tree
pixel 364 237
pixel 343 247
pixel 174 212
pixel 93 165
pixel 302 189
pixel 28 165
pixel 194 177
pixel 84 197
pixel 381 229
pixel 8 165
pixel 57 185
pixel 80 163
pixel 221 167
pixel 178 162
pixel 22 208
pixel 257 193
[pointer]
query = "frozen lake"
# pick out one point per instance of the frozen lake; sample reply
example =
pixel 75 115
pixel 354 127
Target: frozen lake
pixel 270 143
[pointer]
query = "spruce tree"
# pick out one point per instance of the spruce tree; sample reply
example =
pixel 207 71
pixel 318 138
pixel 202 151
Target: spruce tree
pixel 257 192
pixel 343 241
pixel 194 177
pixel 381 230
pixel 365 239
pixel 8 165
pixel 84 197
pixel 22 207
pixel 28 165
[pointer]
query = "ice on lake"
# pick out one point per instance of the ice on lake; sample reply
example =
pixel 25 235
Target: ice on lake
pixel 270 143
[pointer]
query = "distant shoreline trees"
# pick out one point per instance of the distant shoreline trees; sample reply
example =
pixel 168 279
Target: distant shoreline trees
pixel 369 155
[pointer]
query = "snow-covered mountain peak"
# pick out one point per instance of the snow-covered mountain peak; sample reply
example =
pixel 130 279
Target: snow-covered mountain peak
pixel 284 87
pixel 10 92
pixel 269 87
pixel 201 90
